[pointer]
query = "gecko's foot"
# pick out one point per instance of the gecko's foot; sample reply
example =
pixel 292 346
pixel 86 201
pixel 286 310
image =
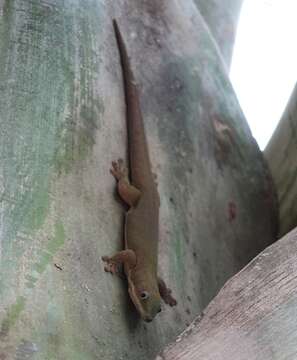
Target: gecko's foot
pixel 110 266
pixel 155 178
pixel 165 293
pixel 118 170
pixel 168 298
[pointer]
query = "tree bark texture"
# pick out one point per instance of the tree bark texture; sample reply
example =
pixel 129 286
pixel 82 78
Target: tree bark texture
pixel 62 122
pixel 222 17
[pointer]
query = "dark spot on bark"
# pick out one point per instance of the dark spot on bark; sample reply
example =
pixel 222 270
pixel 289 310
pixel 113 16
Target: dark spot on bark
pixel 58 267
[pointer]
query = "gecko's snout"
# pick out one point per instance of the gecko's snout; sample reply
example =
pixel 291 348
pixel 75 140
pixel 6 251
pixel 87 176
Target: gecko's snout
pixel 148 319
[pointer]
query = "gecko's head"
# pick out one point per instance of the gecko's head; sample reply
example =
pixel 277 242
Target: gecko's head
pixel 146 298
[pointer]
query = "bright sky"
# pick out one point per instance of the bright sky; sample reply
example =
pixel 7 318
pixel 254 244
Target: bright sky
pixel 264 64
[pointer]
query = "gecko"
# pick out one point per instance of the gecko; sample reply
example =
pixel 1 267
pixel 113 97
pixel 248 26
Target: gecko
pixel 138 190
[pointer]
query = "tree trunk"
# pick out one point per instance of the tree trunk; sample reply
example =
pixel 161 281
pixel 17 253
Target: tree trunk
pixel 222 16
pixel 282 160
pixel 253 317
pixel 63 122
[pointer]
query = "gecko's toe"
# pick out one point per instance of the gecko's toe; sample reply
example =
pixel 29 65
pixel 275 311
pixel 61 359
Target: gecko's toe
pixel 118 170
pixel 173 302
pixel 111 268
pixel 114 165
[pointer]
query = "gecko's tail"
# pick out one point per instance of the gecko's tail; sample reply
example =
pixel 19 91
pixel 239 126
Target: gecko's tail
pixel 139 162
pixel 127 72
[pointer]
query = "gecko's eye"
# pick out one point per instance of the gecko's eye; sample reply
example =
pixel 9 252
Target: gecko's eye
pixel 144 295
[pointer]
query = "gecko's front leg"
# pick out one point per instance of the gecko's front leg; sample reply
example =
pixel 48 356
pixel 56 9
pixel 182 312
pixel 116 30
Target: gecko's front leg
pixel 125 257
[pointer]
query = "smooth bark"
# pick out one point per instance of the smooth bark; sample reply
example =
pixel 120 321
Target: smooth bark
pixel 222 17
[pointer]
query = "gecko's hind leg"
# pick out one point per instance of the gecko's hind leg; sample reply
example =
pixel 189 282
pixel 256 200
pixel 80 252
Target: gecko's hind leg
pixel 128 193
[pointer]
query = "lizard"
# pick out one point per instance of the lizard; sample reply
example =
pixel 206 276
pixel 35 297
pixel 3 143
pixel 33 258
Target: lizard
pixel 138 190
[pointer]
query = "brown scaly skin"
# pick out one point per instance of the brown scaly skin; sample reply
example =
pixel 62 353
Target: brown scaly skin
pixel 139 191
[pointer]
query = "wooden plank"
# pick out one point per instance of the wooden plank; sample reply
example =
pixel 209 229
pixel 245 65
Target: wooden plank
pixel 253 317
